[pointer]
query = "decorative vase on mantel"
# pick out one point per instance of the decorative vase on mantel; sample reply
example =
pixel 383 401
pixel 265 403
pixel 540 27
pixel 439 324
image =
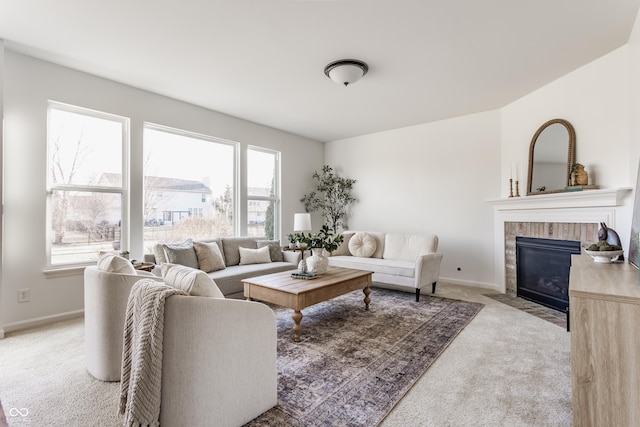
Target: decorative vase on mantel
pixel 317 262
pixel 579 175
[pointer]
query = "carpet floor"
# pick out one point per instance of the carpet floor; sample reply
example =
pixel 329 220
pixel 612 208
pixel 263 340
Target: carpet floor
pixel 505 368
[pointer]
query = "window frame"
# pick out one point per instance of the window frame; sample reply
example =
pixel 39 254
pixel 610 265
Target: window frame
pixel 123 190
pixel 235 226
pixel 276 199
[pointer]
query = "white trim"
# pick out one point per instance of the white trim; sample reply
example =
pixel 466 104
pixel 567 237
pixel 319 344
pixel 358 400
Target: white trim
pixel 483 285
pixel 39 321
pixel 592 206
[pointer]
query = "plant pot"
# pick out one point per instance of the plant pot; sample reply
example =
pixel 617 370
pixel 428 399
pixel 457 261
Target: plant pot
pixel 317 262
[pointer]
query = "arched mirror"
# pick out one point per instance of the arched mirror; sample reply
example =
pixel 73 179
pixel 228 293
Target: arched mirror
pixel 551 155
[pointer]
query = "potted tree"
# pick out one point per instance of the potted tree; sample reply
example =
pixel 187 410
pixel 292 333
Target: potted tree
pixel 332 197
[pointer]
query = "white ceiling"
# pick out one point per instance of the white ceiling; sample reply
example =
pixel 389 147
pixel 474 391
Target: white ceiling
pixel 263 60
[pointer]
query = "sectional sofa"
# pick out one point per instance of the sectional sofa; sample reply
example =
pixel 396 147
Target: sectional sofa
pixel 227 260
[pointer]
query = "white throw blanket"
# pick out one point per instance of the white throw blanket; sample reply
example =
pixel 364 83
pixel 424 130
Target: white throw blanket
pixel 142 352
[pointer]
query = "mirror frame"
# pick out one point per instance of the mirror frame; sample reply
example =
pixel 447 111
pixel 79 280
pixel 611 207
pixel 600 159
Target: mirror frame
pixel 571 155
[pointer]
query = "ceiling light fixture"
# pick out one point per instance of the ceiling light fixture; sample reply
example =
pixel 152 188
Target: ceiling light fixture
pixel 346 71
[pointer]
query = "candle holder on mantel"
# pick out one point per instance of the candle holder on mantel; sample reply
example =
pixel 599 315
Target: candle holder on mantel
pixel 517 188
pixel 510 187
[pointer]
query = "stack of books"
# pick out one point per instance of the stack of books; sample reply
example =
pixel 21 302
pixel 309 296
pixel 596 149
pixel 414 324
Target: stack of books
pixel 306 275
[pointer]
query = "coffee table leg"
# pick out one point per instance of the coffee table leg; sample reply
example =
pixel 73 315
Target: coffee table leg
pixel 367 300
pixel 297 328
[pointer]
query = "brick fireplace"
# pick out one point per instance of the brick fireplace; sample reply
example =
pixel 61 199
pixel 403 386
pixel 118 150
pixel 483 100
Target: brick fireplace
pixel 564 216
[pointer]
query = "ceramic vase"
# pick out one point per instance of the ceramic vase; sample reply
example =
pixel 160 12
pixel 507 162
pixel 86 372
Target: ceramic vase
pixel 317 262
pixel 580 176
pixel 302 266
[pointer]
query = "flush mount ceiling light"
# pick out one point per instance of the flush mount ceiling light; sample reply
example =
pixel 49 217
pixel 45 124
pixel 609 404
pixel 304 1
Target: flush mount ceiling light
pixel 346 71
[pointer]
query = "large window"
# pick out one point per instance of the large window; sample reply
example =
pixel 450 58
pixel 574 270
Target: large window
pixel 263 193
pixel 189 186
pixel 87 184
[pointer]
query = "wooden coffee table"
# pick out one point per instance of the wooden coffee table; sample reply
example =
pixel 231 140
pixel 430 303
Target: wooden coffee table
pixel 296 294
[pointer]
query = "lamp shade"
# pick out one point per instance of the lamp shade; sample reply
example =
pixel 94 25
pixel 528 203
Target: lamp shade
pixel 346 71
pixel 302 222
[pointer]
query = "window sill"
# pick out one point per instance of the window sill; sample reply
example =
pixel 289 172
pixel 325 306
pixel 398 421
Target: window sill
pixel 63 271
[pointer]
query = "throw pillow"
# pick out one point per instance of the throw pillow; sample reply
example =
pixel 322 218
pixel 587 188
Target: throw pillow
pixel 274 249
pixel 362 244
pixel 181 253
pixel 230 249
pixel 254 256
pixel 115 264
pixel 195 282
pixel 158 253
pixel 209 256
pixel 343 249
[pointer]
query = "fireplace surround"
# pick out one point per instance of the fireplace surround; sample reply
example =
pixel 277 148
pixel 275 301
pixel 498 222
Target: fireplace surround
pixel 564 216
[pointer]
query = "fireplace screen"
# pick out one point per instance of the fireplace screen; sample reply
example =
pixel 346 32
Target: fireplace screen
pixel 542 270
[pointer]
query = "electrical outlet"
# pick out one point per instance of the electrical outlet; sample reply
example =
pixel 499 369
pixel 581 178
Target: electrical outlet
pixel 24 295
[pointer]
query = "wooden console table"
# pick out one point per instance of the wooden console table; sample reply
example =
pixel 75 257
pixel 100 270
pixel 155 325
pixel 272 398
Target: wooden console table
pixel 605 343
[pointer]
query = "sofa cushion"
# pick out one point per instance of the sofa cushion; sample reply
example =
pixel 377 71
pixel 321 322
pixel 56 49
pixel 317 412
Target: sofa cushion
pixel 195 282
pixel 216 240
pixel 231 247
pixel 275 251
pixel 181 253
pixel 362 244
pixel 115 264
pixel 377 265
pixel 158 254
pixel 209 256
pixel 254 256
pixel 229 280
pixel 407 247
pixel 343 249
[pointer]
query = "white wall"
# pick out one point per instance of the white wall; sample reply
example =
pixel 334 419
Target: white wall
pixel 436 177
pixel 431 178
pixel 595 99
pixel 29 83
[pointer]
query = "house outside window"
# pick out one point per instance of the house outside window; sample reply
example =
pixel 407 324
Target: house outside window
pixel 263 192
pixel 87 184
pixel 196 176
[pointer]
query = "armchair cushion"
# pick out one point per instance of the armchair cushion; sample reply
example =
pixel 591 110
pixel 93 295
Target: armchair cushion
pixel 115 264
pixel 195 282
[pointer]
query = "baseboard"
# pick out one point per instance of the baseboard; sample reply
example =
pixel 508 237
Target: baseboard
pixel 39 321
pixel 489 286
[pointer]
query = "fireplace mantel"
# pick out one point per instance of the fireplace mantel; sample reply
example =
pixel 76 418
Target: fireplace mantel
pixel 589 206
pixel 570 199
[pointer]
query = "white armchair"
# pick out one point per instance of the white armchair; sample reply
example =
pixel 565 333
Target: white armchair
pixel 219 362
pixel 105 305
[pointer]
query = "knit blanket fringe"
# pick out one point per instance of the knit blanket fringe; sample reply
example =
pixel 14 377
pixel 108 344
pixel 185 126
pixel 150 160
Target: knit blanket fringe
pixel 140 387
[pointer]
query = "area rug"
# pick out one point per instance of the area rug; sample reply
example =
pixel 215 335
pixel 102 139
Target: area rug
pixel 352 366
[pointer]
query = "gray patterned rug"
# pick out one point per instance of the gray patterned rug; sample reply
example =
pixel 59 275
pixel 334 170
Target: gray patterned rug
pixel 352 366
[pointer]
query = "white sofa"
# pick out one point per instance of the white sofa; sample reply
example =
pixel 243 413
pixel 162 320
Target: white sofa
pixel 229 277
pixel 406 262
